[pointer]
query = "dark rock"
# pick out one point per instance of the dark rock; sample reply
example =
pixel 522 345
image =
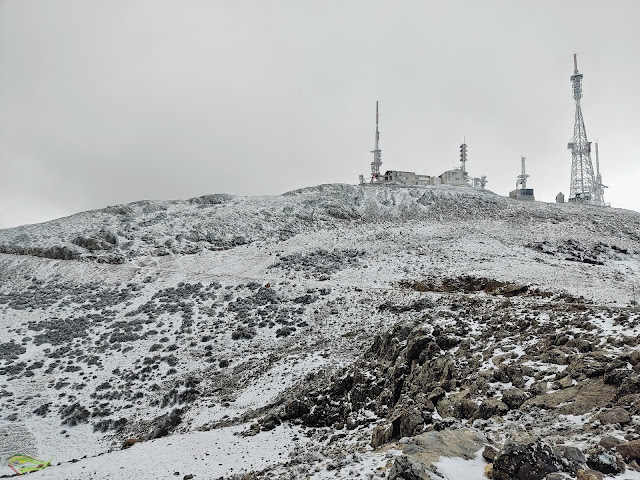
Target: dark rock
pixel 165 423
pixel 532 461
pixel 491 407
pixel 269 422
pixel 572 458
pixel 294 409
pixel 514 397
pixel 605 461
pixel 415 346
pixel 410 422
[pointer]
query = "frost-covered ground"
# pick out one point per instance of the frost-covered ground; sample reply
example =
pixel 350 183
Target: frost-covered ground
pixel 181 326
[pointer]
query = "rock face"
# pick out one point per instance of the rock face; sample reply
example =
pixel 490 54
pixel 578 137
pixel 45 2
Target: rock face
pixel 532 461
pixel 416 462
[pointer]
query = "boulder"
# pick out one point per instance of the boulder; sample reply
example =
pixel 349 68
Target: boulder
pixel 614 415
pixel 530 461
pixel 610 442
pixel 576 400
pixel 465 408
pixel 491 407
pixel 419 455
pixel 415 345
pixel 589 474
pixel 381 434
pixel 572 458
pixel 489 453
pixel 514 397
pixel 605 461
pixel 408 468
pixel 629 451
pixel 635 357
pixel 411 422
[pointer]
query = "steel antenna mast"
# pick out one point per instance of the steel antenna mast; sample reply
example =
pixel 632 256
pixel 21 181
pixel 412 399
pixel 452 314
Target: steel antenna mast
pixel 582 178
pixel 377 153
pixel 522 179
pixel 598 190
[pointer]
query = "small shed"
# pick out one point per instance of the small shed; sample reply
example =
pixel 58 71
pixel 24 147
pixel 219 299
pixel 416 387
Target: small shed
pixel 560 198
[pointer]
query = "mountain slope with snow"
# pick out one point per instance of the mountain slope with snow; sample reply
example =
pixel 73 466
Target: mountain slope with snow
pixel 193 322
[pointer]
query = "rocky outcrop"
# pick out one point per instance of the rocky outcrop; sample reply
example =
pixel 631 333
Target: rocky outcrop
pixel 530 461
pixel 419 455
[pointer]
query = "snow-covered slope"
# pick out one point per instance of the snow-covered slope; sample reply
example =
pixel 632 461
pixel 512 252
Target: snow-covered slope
pixel 180 323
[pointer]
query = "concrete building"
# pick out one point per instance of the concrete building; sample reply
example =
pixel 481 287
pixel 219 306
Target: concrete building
pixel 454 177
pixel 522 194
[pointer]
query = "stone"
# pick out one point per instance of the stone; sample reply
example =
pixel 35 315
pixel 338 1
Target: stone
pixel 407 468
pixel 488 470
pixel 416 343
pixel 411 423
pixel 514 397
pixel 489 453
pixel 491 407
pixel 589 474
pixel 635 357
pixel 530 461
pixel 381 434
pixel 605 461
pixel 614 415
pixel 609 442
pixel 565 382
pixel 629 451
pixel 576 400
pixel 558 476
pixel 419 454
pixel 572 458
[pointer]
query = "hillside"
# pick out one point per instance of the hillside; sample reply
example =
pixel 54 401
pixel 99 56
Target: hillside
pixel 287 336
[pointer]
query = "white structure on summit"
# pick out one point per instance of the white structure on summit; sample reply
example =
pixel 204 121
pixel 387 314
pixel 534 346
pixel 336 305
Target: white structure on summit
pixel 522 192
pixel 457 176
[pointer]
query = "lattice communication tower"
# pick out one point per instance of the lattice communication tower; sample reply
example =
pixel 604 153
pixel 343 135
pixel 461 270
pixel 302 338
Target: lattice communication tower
pixel 582 178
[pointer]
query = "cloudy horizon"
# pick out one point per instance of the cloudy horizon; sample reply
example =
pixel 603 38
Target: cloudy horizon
pixel 109 102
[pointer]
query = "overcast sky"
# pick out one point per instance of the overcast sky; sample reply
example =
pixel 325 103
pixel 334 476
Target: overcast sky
pixel 108 102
